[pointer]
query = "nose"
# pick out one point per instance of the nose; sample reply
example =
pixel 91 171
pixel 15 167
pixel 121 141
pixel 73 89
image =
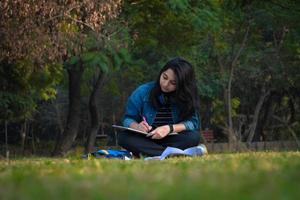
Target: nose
pixel 165 84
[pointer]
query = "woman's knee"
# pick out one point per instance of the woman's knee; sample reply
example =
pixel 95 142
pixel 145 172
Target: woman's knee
pixel 185 140
pixel 127 139
pixel 192 138
pixel 122 139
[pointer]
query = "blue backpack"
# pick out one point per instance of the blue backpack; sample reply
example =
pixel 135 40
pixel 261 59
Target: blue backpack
pixel 111 153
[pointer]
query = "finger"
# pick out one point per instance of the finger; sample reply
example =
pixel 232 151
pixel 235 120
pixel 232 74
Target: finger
pixel 156 137
pixel 146 125
pixel 151 134
pixel 140 127
pixel 144 122
pixel 143 127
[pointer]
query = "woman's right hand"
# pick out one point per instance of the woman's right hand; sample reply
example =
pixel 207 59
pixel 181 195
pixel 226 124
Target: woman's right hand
pixel 143 126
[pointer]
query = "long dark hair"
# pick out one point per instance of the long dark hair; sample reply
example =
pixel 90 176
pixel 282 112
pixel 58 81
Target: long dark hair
pixel 186 93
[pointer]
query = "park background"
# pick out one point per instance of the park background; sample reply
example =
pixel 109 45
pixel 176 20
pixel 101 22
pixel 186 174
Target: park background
pixel 67 68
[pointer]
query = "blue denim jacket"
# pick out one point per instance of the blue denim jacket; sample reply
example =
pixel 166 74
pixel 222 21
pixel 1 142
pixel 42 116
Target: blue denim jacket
pixel 139 105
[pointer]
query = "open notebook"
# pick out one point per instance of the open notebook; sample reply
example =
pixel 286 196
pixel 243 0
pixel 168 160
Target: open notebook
pixel 199 150
pixel 135 130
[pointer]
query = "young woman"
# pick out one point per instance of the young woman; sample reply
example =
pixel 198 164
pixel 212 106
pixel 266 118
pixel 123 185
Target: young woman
pixel 168 105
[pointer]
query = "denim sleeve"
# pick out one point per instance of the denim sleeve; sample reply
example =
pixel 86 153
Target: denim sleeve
pixel 133 108
pixel 193 123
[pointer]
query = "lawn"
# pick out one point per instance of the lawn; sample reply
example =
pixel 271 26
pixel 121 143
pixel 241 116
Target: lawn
pixel 263 175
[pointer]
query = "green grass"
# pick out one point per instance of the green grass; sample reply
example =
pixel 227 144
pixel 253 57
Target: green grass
pixel 264 175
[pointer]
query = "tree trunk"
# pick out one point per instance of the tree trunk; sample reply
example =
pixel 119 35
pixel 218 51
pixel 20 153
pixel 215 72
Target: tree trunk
pixel 95 117
pixel 232 136
pixel 32 139
pixel 266 113
pixel 228 129
pixel 65 141
pixel 115 131
pixel 232 133
pixel 23 136
pixel 6 141
pixel 256 115
pixel 285 123
pixel 58 117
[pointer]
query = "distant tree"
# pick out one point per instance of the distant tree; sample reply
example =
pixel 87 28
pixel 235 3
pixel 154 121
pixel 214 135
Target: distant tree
pixel 259 67
pixel 275 30
pixel 55 32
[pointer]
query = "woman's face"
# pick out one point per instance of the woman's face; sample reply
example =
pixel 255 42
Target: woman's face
pixel 167 81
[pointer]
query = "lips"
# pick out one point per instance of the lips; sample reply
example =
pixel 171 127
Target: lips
pixel 164 90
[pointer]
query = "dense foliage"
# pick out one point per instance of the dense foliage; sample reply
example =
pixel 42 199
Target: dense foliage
pixel 60 57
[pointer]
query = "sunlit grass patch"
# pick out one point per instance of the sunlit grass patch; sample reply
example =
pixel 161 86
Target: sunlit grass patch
pixel 262 175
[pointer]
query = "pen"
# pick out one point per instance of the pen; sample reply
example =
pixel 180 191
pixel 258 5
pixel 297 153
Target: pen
pixel 146 123
pixel 144 119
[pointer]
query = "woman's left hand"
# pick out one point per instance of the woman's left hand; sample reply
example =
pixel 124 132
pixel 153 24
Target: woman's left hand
pixel 160 132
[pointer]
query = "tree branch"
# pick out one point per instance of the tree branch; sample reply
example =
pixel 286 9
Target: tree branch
pixel 80 22
pixel 61 15
pixel 242 46
pixel 289 128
